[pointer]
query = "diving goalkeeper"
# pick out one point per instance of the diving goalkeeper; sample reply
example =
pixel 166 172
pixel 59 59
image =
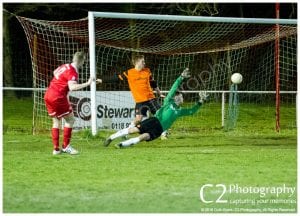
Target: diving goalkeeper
pixel 152 128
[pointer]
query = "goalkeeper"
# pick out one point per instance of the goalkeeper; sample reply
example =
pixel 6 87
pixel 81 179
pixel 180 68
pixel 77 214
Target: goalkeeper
pixel 152 128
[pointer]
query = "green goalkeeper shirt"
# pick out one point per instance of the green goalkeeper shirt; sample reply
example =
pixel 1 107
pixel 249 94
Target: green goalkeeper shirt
pixel 169 112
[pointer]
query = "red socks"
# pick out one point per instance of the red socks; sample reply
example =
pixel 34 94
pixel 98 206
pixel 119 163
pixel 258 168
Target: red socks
pixel 55 138
pixel 67 136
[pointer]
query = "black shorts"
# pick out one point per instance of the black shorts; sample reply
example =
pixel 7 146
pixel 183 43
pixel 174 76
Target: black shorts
pixel 151 126
pixel 152 105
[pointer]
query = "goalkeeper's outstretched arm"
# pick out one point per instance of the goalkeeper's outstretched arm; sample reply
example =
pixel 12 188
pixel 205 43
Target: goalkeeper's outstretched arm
pixel 190 111
pixel 185 74
pixel 203 97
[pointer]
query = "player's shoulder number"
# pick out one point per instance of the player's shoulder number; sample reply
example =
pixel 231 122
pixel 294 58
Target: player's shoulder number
pixel 61 69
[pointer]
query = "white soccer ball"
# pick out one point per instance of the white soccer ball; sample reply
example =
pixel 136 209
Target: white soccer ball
pixel 236 78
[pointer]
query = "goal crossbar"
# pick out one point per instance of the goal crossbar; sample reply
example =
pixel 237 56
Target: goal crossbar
pixel 193 18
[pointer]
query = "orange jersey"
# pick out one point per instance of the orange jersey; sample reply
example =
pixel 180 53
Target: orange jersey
pixel 139 84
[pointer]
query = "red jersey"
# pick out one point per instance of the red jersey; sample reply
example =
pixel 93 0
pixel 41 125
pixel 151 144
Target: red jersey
pixel 56 99
pixel 62 75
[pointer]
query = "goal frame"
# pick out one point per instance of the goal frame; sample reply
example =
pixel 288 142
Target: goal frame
pixel 92 45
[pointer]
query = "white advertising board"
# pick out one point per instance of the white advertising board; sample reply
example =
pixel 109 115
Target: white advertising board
pixel 115 109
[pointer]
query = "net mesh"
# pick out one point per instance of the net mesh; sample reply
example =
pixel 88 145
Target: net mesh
pixel 212 51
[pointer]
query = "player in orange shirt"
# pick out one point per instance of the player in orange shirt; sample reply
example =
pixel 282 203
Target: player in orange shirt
pixel 141 85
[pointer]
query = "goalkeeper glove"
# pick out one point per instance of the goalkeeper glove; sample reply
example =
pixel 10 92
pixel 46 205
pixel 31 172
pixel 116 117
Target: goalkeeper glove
pixel 186 73
pixel 203 97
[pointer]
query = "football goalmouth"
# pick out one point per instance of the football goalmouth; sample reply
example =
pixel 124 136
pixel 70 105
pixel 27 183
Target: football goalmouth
pixel 212 47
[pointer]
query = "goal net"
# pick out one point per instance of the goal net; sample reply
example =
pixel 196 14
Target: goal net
pixel 212 49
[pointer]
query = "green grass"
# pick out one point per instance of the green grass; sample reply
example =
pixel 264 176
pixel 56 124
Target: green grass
pixel 159 176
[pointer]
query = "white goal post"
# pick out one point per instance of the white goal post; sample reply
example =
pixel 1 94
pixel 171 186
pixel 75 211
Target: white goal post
pixel 92 39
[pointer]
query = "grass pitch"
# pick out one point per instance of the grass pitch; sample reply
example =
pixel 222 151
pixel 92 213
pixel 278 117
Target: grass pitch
pixel 159 176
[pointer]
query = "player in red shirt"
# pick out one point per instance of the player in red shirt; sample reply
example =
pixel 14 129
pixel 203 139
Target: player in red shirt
pixel 56 99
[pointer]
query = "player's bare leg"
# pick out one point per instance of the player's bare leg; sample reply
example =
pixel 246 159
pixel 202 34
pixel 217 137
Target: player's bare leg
pixel 69 121
pixel 133 141
pixel 55 135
